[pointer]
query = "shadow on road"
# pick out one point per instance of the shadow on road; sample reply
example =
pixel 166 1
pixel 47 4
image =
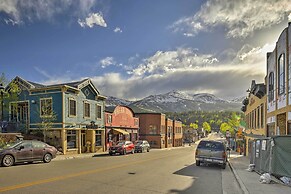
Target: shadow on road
pixel 206 179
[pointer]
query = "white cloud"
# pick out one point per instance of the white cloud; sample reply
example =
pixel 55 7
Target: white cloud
pixel 117 29
pixel 93 19
pixel 241 18
pixel 107 61
pixel 31 10
pixel 188 70
pixel 169 61
pixel 12 22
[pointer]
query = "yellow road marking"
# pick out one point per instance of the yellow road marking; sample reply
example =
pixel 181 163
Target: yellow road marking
pixel 19 186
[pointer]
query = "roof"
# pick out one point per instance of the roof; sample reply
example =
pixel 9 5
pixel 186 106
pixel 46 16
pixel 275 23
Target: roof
pixel 110 109
pixel 78 85
pixel 72 84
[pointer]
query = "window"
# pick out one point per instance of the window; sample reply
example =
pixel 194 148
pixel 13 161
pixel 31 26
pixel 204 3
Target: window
pixel 262 115
pixel 271 87
pixel 153 129
pixel 109 118
pixel 98 111
pixel 71 139
pixel 46 107
pixel 98 138
pixel 86 109
pixel 72 107
pixel 281 74
pixel 258 118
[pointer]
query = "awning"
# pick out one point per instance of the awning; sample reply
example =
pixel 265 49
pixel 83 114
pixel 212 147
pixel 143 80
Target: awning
pixel 121 131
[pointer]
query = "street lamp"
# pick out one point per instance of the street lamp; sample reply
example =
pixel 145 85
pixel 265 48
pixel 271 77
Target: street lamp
pixel 2 103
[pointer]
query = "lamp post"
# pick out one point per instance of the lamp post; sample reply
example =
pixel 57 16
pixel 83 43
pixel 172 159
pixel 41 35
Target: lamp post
pixel 2 103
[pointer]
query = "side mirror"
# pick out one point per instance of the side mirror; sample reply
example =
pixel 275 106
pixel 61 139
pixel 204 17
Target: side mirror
pixel 21 147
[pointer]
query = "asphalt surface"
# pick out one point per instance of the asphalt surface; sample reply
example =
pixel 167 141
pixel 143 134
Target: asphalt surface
pixel 159 171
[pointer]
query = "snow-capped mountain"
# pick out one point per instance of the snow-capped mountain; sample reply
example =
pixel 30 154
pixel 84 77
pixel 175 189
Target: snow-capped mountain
pixel 113 101
pixel 176 101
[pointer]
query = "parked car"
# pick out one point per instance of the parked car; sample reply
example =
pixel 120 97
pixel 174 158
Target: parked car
pixel 122 147
pixel 142 146
pixel 26 151
pixel 211 151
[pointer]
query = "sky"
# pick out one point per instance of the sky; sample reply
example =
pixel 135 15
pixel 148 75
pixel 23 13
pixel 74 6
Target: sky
pixel 131 49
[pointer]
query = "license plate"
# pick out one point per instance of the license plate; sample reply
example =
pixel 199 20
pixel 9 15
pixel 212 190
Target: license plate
pixel 208 160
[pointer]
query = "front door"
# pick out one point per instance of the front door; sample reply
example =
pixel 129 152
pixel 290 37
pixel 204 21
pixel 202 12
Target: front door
pixel 83 141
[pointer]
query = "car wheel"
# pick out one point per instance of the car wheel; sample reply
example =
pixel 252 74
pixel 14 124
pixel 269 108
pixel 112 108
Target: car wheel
pixel 8 160
pixel 132 151
pixel 223 166
pixel 197 163
pixel 110 154
pixel 148 150
pixel 47 158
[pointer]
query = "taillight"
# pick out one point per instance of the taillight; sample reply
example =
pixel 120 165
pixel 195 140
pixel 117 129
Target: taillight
pixel 196 153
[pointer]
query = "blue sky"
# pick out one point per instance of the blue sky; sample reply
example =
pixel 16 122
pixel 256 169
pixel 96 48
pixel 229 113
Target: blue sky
pixel 135 48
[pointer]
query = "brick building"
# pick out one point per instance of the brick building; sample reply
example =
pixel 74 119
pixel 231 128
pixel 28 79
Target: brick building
pixel 120 124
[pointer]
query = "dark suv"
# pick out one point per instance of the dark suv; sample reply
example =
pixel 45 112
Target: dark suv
pixel 142 146
pixel 210 151
pixel 122 147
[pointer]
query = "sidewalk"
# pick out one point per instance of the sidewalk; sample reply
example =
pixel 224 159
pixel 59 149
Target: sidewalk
pixel 83 155
pixel 249 182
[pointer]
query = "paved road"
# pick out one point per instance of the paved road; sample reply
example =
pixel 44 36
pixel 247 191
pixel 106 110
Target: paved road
pixel 159 171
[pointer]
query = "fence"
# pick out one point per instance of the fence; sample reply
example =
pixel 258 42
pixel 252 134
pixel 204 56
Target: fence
pixel 272 155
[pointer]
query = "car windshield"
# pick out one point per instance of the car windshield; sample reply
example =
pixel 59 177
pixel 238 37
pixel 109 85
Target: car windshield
pixel 120 143
pixel 138 143
pixel 10 145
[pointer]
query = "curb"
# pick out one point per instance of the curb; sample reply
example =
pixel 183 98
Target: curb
pixel 80 156
pixel 241 184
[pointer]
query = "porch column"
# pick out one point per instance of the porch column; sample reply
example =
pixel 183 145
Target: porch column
pixel 64 141
pixel 79 139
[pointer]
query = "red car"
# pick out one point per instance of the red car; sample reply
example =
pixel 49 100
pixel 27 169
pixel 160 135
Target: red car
pixel 26 151
pixel 122 147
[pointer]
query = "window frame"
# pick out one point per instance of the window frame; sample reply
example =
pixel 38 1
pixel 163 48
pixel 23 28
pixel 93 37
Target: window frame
pixel 72 133
pixel 88 111
pixel 281 74
pixel 98 112
pixel 271 86
pixel 70 113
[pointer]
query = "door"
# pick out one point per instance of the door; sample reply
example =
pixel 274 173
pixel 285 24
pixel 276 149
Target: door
pixel 24 151
pixel 83 141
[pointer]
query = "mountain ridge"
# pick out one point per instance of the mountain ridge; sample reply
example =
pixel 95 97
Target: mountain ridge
pixel 177 101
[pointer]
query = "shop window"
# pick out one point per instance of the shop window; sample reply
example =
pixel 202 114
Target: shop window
pixel 281 74
pixel 71 139
pixel 98 138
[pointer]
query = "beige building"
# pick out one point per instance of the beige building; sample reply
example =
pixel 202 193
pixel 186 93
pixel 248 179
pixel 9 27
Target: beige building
pixel 278 82
pixel 255 114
